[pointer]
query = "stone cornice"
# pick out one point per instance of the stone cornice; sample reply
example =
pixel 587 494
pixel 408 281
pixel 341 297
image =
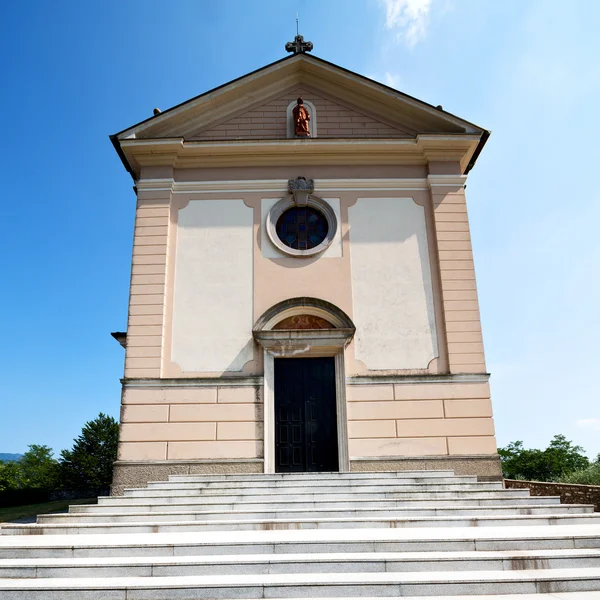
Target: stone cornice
pixel 412 379
pixel 279 186
pixel 257 380
pixel 177 153
pixel 446 180
pixel 194 382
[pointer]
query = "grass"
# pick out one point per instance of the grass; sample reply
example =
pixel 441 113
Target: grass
pixel 12 513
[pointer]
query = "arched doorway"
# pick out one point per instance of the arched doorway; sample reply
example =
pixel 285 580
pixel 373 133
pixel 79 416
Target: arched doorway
pixel 305 422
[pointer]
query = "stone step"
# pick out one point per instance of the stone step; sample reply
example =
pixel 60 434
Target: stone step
pixel 316 497
pixel 317 514
pixel 117 504
pixel 315 535
pixel 324 585
pixel 325 489
pixel 367 562
pixel 282 542
pixel 316 483
pixel 554 596
pixel 311 476
pixel 159 526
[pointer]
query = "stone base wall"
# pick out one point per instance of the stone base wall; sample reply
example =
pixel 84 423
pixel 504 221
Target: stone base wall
pixel 487 468
pixel 138 474
pixel 570 493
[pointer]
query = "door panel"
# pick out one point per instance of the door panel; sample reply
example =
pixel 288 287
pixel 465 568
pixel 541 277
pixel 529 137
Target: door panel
pixel 305 415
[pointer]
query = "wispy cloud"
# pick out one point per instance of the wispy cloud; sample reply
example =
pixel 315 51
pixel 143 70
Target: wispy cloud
pixel 409 18
pixel 392 79
pixel 593 424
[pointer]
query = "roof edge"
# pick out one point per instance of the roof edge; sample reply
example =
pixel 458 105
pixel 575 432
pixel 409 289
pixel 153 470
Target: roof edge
pixel 116 138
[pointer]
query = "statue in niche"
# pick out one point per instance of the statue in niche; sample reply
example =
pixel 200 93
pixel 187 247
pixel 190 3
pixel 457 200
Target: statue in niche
pixel 301 119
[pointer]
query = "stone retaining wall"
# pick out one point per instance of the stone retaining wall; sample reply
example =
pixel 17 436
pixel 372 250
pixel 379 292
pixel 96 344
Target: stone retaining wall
pixel 570 493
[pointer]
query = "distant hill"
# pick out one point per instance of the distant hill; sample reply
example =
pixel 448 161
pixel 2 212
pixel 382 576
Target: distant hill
pixel 5 457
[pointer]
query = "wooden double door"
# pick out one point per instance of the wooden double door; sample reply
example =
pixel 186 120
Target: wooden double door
pixel 305 415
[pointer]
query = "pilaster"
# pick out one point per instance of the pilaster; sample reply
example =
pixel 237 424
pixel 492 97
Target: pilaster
pixel 145 328
pixel 457 274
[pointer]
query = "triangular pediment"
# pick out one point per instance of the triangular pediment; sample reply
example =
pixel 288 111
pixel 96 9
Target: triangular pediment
pixel 331 118
pixel 254 107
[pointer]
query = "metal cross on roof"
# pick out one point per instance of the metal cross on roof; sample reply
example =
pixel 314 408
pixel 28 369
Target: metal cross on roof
pixel 299 46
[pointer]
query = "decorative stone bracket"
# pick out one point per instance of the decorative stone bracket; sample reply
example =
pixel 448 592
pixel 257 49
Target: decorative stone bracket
pixel 301 188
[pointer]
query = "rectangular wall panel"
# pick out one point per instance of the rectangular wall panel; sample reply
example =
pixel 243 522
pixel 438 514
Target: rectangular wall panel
pixel 391 284
pixel 212 298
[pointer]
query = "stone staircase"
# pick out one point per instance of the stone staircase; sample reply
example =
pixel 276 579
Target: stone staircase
pixel 324 535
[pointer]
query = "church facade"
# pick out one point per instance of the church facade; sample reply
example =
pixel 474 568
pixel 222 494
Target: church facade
pixel 303 294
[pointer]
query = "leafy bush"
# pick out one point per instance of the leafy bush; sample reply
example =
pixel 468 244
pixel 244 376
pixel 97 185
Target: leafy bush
pixel 560 458
pixel 588 476
pixel 9 476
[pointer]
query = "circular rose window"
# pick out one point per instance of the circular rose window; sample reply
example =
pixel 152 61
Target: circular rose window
pixel 301 231
pixel 302 228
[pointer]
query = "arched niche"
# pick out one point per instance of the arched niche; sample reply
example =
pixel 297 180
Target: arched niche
pixel 303 306
pixel 289 115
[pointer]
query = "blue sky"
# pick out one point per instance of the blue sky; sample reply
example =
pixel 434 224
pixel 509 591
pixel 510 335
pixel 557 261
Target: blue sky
pixel 75 72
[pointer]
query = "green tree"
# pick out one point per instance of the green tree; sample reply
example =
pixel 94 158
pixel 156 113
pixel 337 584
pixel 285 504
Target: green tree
pixel 558 459
pixel 9 476
pixel 563 457
pixel 38 468
pixel 89 464
pixel 519 462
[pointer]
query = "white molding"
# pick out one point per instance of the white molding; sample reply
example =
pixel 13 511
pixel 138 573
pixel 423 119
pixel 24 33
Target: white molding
pixel 178 153
pixel 179 143
pixel 446 180
pixel 195 382
pixel 411 379
pixel 257 380
pixel 281 185
pixel 341 413
pixel 155 185
pixel 269 413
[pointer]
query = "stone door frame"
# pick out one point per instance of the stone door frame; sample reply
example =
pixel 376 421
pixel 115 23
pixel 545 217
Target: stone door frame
pixel 282 343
